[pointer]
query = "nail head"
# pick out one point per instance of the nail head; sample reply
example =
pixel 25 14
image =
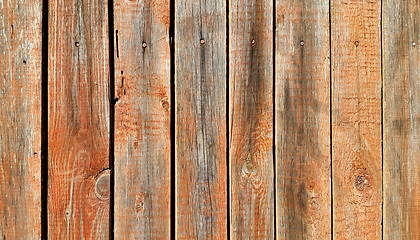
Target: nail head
pixel 77 44
pixel 302 43
pixel 202 41
pixel 144 44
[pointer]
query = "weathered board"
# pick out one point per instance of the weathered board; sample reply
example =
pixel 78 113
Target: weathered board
pixel 401 61
pixel 200 119
pixel 356 119
pixel 78 120
pixel 20 119
pixel 142 120
pixel 251 119
pixel 302 105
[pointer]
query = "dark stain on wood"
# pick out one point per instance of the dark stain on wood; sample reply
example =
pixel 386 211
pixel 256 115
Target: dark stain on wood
pixel 302 121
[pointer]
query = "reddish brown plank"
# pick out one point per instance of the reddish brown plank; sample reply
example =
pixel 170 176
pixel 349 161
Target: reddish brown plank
pixel 20 119
pixel 251 119
pixel 200 119
pixel 401 57
pixel 303 173
pixel 78 120
pixel 142 120
pixel 356 119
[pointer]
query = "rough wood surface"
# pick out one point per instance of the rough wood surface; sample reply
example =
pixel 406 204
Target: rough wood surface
pixel 142 120
pixel 78 120
pixel 303 173
pixel 20 119
pixel 356 119
pixel 251 119
pixel 401 35
pixel 200 119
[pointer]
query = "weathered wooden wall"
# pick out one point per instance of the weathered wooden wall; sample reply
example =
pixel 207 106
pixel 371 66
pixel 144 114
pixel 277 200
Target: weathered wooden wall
pixel 238 119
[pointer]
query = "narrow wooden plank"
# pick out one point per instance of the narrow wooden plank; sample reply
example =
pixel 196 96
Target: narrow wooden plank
pixel 142 120
pixel 78 120
pixel 20 119
pixel 401 35
pixel 200 119
pixel 303 160
pixel 251 119
pixel 356 119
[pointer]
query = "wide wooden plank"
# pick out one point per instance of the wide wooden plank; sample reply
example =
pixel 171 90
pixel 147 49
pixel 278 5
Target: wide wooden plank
pixel 356 118
pixel 142 120
pixel 200 119
pixel 20 119
pixel 251 119
pixel 78 120
pixel 303 172
pixel 401 68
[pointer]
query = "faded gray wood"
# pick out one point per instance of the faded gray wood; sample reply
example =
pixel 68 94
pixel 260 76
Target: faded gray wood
pixel 200 119
pixel 401 67
pixel 78 120
pixel 251 119
pixel 356 119
pixel 303 173
pixel 20 119
pixel 142 120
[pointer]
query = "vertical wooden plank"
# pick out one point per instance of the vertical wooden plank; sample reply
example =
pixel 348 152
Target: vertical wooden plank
pixel 303 160
pixel 78 120
pixel 142 120
pixel 401 68
pixel 200 119
pixel 20 119
pixel 251 119
pixel 356 118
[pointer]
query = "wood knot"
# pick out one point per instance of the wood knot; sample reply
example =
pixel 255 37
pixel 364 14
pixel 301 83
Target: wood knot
pixel 361 182
pixel 139 205
pixel 102 186
pixel 248 168
pixel 165 103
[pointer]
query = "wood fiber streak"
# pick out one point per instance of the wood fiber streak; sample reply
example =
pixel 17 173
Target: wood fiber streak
pixel 200 119
pixel 20 119
pixel 142 120
pixel 78 120
pixel 401 69
pixel 251 119
pixel 302 108
pixel 356 119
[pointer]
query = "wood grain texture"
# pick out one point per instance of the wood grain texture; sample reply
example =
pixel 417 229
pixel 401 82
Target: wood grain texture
pixel 200 119
pixel 78 120
pixel 356 119
pixel 20 119
pixel 401 69
pixel 142 120
pixel 303 161
pixel 251 119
